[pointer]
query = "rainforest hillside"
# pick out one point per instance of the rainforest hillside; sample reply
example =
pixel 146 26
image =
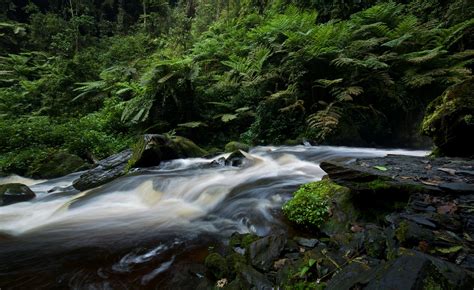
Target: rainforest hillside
pixel 82 79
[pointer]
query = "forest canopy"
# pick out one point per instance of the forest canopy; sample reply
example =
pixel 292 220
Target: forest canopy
pixel 86 77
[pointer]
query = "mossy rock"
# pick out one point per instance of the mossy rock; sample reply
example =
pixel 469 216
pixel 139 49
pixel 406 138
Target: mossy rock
pixel 151 149
pixel 217 265
pixel 235 146
pixel 312 203
pixel 57 164
pixel 449 120
pixel 15 192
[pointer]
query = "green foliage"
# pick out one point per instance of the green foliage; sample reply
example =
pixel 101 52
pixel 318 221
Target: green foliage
pixel 86 77
pixel 311 203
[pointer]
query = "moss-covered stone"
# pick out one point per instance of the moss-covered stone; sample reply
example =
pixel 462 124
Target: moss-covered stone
pixel 311 203
pixel 57 164
pixel 242 240
pixel 449 120
pixel 217 265
pixel 151 149
pixel 235 146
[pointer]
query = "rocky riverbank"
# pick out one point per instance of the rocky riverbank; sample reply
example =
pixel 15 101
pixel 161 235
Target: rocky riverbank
pixel 400 223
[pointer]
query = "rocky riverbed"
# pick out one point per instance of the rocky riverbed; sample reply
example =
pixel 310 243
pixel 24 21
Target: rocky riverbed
pixel 410 226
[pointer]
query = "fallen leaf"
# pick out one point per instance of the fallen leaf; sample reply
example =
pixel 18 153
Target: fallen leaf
pixel 431 182
pixel 423 246
pixel 357 229
pixel 447 170
pixel 450 250
pixel 279 264
pixel 381 168
pixel 448 208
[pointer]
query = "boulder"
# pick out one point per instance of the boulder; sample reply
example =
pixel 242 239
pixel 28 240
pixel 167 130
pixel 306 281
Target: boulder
pixel 57 164
pixel 449 120
pixel 107 170
pixel 235 146
pixel 15 192
pixel 411 270
pixel 151 149
pixel 236 158
pixel 263 252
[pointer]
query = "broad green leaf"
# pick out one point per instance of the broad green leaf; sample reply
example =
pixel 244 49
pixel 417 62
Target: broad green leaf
pixel 381 168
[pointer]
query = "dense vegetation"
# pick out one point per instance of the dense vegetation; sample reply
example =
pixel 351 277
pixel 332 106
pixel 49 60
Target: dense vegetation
pixel 87 76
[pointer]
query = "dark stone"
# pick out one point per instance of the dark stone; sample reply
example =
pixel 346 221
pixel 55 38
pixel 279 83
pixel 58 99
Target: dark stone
pixel 252 279
pixel 236 158
pixel 310 243
pixel 457 187
pixel 419 219
pixel 15 192
pixel 107 170
pixel 412 270
pixel 264 251
pixel 151 149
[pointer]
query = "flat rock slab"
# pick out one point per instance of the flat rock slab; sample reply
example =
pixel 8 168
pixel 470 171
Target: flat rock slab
pixel 432 174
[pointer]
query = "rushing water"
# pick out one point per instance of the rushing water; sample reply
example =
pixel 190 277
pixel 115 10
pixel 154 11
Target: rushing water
pixel 142 230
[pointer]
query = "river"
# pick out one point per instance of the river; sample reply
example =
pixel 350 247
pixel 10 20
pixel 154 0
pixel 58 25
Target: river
pixel 153 228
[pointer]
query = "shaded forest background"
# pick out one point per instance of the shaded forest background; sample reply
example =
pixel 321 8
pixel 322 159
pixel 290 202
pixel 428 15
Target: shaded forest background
pixel 86 76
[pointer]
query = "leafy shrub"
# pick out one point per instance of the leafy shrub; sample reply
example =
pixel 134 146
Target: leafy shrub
pixel 310 203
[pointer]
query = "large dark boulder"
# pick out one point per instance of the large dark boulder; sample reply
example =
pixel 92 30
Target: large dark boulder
pixel 151 149
pixel 449 120
pixel 106 171
pixel 263 252
pixel 15 192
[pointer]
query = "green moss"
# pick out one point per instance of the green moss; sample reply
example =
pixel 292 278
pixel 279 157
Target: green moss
pixel 378 184
pixel 401 231
pixel 234 146
pixel 216 264
pixel 310 203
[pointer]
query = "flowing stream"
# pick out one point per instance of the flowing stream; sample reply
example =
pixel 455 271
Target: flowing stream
pixel 148 229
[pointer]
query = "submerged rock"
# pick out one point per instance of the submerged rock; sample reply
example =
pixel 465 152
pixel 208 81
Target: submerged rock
pixel 15 192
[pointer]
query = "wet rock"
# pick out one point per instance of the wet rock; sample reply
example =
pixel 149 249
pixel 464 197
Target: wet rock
pixel 310 243
pixel 263 252
pixel 236 146
pixel 375 243
pixel 15 192
pixel 236 158
pixel 410 233
pixel 252 279
pixel 412 270
pixel 419 219
pixel 457 187
pixel 106 171
pixel 151 149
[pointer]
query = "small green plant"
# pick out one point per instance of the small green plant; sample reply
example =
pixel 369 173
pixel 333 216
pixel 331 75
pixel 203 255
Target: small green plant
pixel 310 203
